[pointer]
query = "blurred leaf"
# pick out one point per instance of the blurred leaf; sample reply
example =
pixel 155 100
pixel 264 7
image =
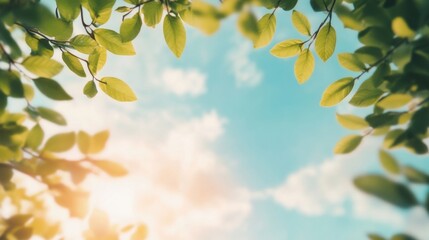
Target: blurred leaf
pixel 395 100
pixel 35 137
pixel 414 175
pixel 248 25
pixel 42 66
pixel 402 236
pixel 83 142
pixel 267 28
pixel 350 62
pixel 51 116
pixel 140 233
pixel 401 28
pixel 60 142
pixel 114 169
pixel 373 236
pixel 347 144
pixel 352 122
pixel 389 163
pixel 69 10
pixel 98 141
pixel 51 89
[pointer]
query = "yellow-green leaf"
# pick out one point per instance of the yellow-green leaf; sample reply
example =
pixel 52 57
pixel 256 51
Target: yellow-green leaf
pixel 288 48
pixel 35 137
pixel 347 144
pixel 130 27
pixel 352 122
pixel 83 43
pixel 100 10
pixel 325 42
pixel 112 41
pixel 69 10
pixel 61 142
pixel 83 142
pixel 114 169
pixel 97 59
pixel 248 25
pixel 395 100
pixel 304 66
pixel 42 66
pixel 117 89
pixel 152 12
pixel 51 89
pixel 337 91
pixel 401 28
pixel 351 62
pixel 98 141
pixel 174 34
pixel 267 28
pixel 73 64
pixel 389 163
pixel 301 23
pixel 90 89
pixel 51 115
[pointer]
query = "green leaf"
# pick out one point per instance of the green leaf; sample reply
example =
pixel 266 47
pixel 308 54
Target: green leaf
pixel 365 96
pixel 402 236
pixel 267 28
pixel 351 62
pixel 117 89
pixel 51 89
pixel 337 91
pixel 98 141
pixel 401 28
pixel 288 4
pixel 384 119
pixel 35 137
pixel 42 66
pixel 39 46
pixel 51 115
pixel 152 12
pixel 130 27
pixel 73 64
pixel 389 163
pixel 248 25
pixel 90 89
pixel 347 144
pixel 383 188
pixel 376 37
pixel 6 154
pixel 6 173
pixel 60 142
pixel 101 10
pixel 114 169
pixel 123 9
pixel 368 55
pixel 394 101
pixel 97 59
pixel 414 175
pixel 28 92
pixel 325 42
pixel 301 23
pixel 288 48
pixel 69 10
pixel 352 122
pixel 83 142
pixel 373 236
pixel 304 66
pixel 112 41
pixel 174 34
pixel 83 43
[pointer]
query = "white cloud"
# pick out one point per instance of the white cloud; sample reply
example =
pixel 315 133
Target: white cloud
pixel 327 188
pixel 245 71
pixel 184 82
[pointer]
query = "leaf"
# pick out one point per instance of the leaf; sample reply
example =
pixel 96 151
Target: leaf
pixel 383 188
pixel 365 96
pixel 373 236
pixel 351 62
pixel 73 64
pixel 98 142
pixel 42 66
pixel 395 100
pixel 288 4
pixel 352 122
pixel 117 89
pixel 83 43
pixel 35 137
pixel 414 175
pixel 288 48
pixel 267 28
pixel 304 66
pixel 83 142
pixel 69 10
pixel 325 42
pixel 368 55
pixel 112 41
pixel 347 144
pixel 97 59
pixel 301 23
pixel 114 169
pixel 152 12
pixel 389 163
pixel 401 28
pixel 383 119
pixel 51 115
pixel 6 154
pixel 90 90
pixel 60 142
pixel 51 89
pixel 174 34
pixel 130 27
pixel 337 91
pixel 6 173
pixel 101 10
pixel 402 236
pixel 248 25
pixel 140 233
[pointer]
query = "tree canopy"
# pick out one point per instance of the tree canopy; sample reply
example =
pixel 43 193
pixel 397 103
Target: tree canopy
pixel 389 76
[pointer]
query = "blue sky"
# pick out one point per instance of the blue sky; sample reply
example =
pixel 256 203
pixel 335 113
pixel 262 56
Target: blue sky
pixel 261 141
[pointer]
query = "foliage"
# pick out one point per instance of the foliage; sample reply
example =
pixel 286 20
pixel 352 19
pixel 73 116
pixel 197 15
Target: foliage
pixel 394 54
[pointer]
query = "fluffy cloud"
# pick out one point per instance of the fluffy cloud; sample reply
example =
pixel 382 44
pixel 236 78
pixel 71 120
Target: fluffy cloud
pixel 184 82
pixel 245 71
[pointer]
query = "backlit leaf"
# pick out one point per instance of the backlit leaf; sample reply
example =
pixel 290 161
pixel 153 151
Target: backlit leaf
pixel 337 91
pixel 401 28
pixel 51 115
pixel 112 41
pixel 90 89
pixel 301 23
pixel 325 42
pixel 130 27
pixel 73 64
pixel 35 137
pixel 174 34
pixel 51 89
pixel 394 101
pixel 304 66
pixel 347 144
pixel 288 48
pixel 352 122
pixel 60 142
pixel 350 62
pixel 152 12
pixel 117 89
pixel 267 28
pixel 42 66
pixel 389 163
